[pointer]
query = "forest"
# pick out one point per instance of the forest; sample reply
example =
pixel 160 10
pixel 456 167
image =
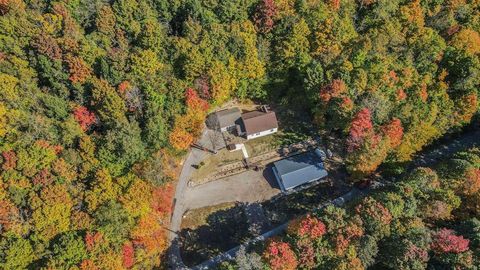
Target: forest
pixel 101 99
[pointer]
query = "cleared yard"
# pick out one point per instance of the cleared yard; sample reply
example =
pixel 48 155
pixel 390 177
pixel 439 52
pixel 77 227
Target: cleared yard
pixel 214 161
pixel 264 144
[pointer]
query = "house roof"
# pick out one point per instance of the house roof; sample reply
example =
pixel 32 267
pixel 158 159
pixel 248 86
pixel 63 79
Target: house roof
pixel 228 117
pixel 300 169
pixel 258 121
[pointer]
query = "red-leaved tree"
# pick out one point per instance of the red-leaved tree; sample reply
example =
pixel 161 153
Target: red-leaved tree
pixel 401 95
pixel 163 199
pixel 280 256
pixel 445 241
pixel 123 87
pixel 128 255
pixel 394 132
pixel 335 4
pixel 194 102
pixel 361 127
pixel 308 226
pixel 84 117
pixel 331 90
pixel 9 160
pixel 264 14
pixel 92 240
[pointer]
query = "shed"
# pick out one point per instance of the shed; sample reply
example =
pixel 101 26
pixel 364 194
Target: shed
pixel 300 169
pixel 227 119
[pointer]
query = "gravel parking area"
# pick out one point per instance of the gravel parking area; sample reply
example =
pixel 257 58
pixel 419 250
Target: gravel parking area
pixel 250 186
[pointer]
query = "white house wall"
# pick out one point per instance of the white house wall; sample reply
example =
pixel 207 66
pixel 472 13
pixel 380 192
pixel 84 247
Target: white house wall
pixel 261 134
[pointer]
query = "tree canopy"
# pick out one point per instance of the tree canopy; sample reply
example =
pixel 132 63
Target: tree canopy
pixel 100 99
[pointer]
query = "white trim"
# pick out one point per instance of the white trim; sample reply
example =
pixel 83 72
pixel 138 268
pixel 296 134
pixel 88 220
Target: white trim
pixel 262 133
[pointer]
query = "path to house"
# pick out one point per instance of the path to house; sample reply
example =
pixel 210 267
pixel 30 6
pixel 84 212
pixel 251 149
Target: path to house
pixel 193 158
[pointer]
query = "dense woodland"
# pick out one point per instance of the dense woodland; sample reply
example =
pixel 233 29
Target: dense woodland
pixel 427 220
pixel 99 100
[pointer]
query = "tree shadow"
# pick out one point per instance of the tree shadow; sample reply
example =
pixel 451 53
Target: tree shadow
pixel 225 230
pixel 286 207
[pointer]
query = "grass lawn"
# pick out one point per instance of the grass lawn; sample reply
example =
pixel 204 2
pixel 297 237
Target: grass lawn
pixel 263 145
pixel 212 162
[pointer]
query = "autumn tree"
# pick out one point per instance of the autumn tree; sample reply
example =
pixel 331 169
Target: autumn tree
pixel 106 20
pixel 393 131
pixel 190 125
pixel 180 139
pixel 9 160
pixel 445 241
pixel 280 256
pixel 376 217
pixel 360 128
pixel 264 16
pixel 47 45
pixel 128 255
pixel 408 251
pixel 293 46
pixel 79 70
pixel 84 117
pixel 51 211
pixel 308 226
pixel 468 40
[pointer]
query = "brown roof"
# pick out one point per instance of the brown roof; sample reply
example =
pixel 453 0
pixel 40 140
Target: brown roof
pixel 258 121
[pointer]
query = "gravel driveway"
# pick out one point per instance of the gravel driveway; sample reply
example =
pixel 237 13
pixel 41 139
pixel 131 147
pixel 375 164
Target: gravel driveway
pixel 250 186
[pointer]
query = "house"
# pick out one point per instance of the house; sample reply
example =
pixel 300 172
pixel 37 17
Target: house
pixel 300 169
pixel 258 123
pixel 227 119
